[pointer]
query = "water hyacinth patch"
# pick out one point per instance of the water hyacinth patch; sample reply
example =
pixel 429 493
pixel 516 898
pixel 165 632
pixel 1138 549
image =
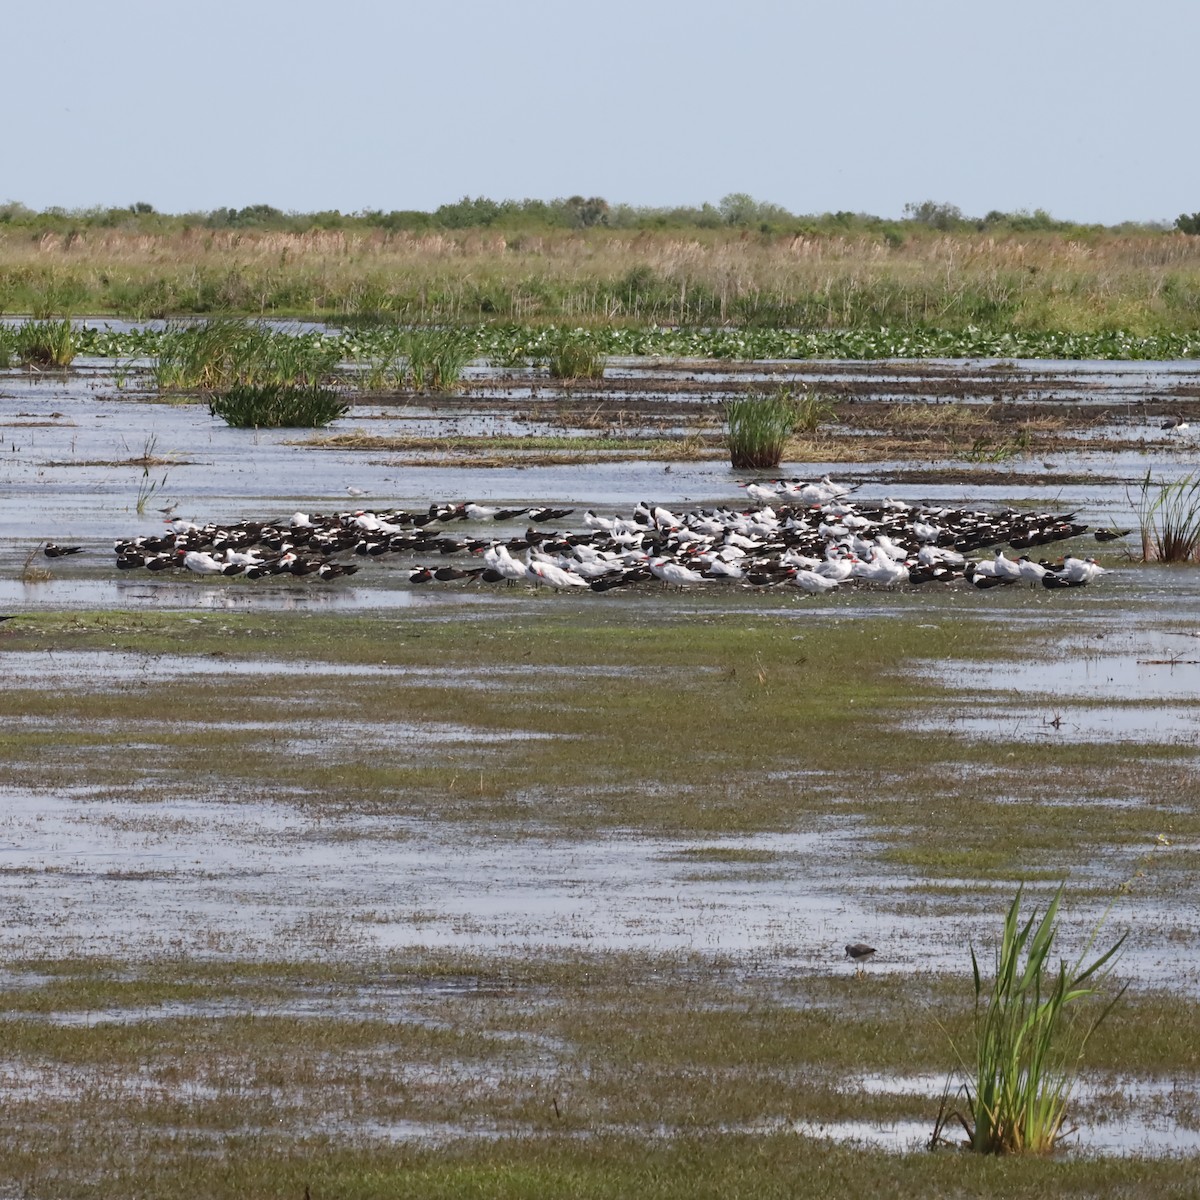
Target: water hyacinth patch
pixel 521 343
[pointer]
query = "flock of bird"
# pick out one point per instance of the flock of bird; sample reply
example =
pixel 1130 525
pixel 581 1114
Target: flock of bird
pixel 811 536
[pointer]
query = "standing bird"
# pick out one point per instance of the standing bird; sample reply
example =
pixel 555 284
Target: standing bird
pixel 858 953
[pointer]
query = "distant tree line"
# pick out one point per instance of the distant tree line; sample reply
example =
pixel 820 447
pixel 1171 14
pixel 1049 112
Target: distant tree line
pixel 737 211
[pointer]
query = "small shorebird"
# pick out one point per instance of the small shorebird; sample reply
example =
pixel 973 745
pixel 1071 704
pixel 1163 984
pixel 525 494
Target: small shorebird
pixel 858 953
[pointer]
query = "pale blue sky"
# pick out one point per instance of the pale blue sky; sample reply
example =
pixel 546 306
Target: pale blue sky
pixel 1082 107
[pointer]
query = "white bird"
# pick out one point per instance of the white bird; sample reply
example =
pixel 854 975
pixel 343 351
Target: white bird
pixel 758 491
pixel 718 568
pixel 894 552
pixel 837 566
pixel 1005 568
pixel 810 581
pixel 932 556
pixel 512 570
pixel 1081 570
pixel 1030 570
pixel 555 576
pixel 205 564
pixel 674 574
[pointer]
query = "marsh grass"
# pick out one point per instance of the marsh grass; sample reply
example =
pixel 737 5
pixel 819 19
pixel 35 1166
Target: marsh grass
pixel 32 570
pixel 812 410
pixel 277 406
pixel 610 1074
pixel 1029 1038
pixel 45 343
pixel 224 351
pixel 1005 283
pixel 536 1071
pixel 759 427
pixel 503 451
pixel 1168 515
pixel 437 359
pixel 574 355
pixel 148 486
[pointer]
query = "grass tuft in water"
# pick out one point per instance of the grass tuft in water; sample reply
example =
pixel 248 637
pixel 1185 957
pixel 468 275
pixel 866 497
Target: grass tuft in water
pixel 276 406
pixel 437 359
pixel 575 356
pixel 759 427
pixel 1168 514
pixel 1029 1038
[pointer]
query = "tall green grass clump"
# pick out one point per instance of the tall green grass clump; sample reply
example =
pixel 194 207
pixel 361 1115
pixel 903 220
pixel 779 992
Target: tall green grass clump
pixel 758 428
pixel 7 346
pixel 1168 514
pixel 574 356
pixel 437 359
pixel 277 406
pixel 45 343
pixel 1030 1035
pixel 223 352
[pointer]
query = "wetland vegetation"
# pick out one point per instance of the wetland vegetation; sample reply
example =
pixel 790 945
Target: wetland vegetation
pixel 311 1056
pixel 1004 285
pixel 523 895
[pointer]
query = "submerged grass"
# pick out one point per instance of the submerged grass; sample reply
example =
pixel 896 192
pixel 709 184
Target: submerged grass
pixel 500 450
